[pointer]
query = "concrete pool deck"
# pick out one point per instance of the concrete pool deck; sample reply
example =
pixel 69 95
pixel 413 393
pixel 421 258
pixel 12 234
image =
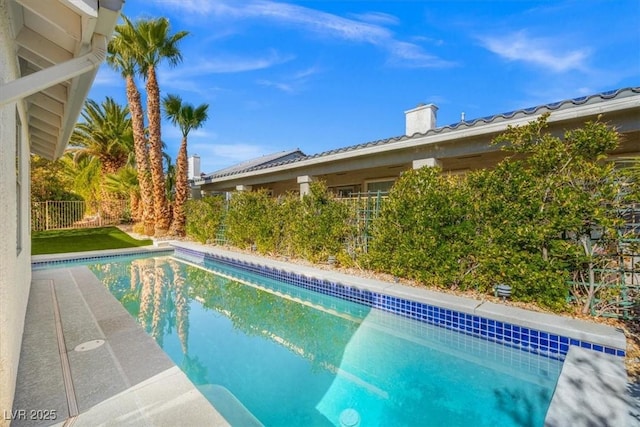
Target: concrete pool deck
pixel 85 361
pixel 128 380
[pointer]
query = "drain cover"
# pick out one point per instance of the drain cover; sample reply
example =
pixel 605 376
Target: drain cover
pixel 89 345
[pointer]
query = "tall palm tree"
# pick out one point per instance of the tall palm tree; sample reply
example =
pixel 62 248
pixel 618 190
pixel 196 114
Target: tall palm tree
pixel 154 44
pixel 122 57
pixel 186 117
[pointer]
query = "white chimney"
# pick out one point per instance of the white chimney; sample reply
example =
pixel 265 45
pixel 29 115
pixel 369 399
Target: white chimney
pixel 421 119
pixel 194 167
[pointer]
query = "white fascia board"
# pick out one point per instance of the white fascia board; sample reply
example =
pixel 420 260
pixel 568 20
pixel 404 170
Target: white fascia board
pixel 88 8
pixel 108 14
pixel 484 129
pixel 40 80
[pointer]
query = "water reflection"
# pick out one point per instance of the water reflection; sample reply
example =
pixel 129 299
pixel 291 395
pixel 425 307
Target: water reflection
pixel 295 357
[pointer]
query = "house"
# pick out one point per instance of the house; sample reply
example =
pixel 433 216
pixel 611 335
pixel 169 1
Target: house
pixel 50 52
pixel 456 148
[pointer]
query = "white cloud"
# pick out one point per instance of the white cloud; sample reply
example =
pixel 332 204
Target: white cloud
pixel 285 87
pixel 368 28
pixel 377 18
pixel 411 55
pixel 292 83
pixel 543 52
pixel 108 77
pixel 221 64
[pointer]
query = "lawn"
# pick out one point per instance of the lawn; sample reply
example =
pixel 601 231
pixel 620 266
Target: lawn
pixel 80 240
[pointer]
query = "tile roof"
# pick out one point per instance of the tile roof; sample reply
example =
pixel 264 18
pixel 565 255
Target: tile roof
pixel 462 125
pixel 260 162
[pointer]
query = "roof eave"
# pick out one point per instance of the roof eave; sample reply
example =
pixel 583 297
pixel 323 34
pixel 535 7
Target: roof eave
pixel 478 129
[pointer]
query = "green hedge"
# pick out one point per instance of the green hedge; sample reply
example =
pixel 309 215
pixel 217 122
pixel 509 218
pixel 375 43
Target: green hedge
pixel 204 218
pixel 523 223
pixel 526 223
pixel 313 227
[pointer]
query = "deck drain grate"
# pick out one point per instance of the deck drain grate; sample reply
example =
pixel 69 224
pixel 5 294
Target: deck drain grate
pixel 89 345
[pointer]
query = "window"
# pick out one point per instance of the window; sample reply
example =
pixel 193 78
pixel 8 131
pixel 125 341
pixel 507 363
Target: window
pixel 18 184
pixel 383 185
pixel 345 191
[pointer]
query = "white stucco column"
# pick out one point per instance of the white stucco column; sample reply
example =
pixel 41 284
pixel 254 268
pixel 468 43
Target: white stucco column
pixel 305 183
pixel 243 187
pixel 430 162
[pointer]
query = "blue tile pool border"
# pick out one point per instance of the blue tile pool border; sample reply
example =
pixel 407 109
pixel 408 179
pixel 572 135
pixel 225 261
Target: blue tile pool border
pixel 79 259
pixel 525 338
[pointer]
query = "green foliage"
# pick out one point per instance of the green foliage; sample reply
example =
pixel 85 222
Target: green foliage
pixel 252 220
pixel 50 182
pixel 320 225
pixel 423 229
pixel 204 218
pixel 524 223
pixel 541 218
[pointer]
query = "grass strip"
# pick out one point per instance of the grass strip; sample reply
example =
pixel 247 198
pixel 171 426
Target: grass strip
pixel 84 239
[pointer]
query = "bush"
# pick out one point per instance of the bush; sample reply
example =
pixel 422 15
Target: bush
pixel 204 218
pixel 252 219
pixel 424 231
pixel 319 225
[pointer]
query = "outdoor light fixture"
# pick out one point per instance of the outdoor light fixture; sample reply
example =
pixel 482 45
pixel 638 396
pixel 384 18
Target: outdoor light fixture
pixel 502 290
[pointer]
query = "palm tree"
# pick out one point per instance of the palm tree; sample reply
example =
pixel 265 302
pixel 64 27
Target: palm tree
pixel 186 117
pixel 104 135
pixel 84 175
pixel 122 58
pixel 153 45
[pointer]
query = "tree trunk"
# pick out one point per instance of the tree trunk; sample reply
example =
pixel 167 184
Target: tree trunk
pixel 591 290
pixel 135 206
pixel 147 215
pixel 182 191
pixel 161 207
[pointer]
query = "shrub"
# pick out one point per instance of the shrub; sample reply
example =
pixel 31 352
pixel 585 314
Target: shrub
pixel 252 219
pixel 204 218
pixel 319 225
pixel 424 229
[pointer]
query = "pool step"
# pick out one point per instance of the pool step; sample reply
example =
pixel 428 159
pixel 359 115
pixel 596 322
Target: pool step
pixel 229 406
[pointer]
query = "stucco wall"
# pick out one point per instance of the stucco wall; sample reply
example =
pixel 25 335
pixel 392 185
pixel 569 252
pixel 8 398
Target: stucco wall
pixel 15 267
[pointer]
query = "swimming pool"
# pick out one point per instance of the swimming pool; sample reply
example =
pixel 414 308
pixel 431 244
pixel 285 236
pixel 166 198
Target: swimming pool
pixel 292 356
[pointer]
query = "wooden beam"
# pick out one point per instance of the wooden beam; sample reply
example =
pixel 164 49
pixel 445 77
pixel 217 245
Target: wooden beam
pixel 45 116
pixel 47 103
pixel 45 127
pixel 57 14
pixel 46 49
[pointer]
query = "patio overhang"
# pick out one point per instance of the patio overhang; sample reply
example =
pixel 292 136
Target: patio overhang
pixel 59 46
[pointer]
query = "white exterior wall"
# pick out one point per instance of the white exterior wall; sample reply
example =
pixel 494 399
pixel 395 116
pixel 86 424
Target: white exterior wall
pixel 15 266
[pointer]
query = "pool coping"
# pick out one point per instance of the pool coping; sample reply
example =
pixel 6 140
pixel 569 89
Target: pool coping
pixel 578 399
pixel 606 365
pixel 575 329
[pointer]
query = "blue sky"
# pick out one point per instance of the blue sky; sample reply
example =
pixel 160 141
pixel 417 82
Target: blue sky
pixel 318 75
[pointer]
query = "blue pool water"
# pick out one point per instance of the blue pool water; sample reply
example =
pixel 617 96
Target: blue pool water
pixel 293 357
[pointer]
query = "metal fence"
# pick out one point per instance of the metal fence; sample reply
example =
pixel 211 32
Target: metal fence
pixel 366 208
pixel 56 215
